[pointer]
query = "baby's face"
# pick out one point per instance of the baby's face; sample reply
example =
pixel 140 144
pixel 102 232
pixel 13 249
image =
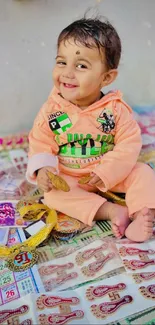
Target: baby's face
pixel 79 73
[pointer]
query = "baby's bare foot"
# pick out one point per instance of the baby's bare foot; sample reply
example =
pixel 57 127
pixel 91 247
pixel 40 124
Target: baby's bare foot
pixel 117 214
pixel 119 220
pixel 141 228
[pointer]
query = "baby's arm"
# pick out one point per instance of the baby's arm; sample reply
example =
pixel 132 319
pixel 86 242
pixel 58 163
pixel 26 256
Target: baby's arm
pixel 42 147
pixel 117 164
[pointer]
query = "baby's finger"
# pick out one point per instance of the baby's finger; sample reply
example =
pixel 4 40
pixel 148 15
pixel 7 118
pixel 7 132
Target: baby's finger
pixel 100 183
pixel 94 180
pixel 46 189
pixel 43 184
pixel 50 185
pixel 42 179
pixel 52 170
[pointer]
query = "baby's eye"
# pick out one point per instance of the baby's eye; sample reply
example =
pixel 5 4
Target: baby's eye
pixel 61 63
pixel 81 66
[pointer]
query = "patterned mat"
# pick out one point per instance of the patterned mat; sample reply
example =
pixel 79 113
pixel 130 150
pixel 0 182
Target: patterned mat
pixel 13 185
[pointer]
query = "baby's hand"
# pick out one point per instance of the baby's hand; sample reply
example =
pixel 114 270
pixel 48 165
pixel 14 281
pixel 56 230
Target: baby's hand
pixel 43 181
pixel 95 180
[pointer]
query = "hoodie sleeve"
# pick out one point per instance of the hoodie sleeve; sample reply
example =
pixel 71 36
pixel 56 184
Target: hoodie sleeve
pixel 117 164
pixel 43 148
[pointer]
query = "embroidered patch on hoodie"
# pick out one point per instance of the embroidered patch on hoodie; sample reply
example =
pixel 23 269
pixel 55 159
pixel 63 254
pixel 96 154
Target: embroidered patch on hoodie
pixel 106 119
pixel 59 122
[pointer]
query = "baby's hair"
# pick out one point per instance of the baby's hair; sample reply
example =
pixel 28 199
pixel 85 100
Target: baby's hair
pixel 95 33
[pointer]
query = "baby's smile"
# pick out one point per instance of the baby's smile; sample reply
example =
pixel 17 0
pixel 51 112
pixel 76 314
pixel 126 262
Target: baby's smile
pixel 68 85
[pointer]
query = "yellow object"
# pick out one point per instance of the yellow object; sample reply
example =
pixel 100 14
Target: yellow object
pixel 58 182
pixel 107 195
pixel 32 212
pixel 85 179
pixel 37 239
pixel 113 197
pixel 67 224
pixel 22 259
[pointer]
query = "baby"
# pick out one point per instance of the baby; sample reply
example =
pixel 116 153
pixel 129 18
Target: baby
pixel 82 131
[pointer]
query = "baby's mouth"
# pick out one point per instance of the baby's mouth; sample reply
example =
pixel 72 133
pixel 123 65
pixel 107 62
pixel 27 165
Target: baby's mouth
pixel 66 85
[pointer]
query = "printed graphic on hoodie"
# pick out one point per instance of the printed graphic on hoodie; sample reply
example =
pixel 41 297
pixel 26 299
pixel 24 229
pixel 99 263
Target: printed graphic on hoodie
pixel 59 122
pixel 106 119
pixel 82 149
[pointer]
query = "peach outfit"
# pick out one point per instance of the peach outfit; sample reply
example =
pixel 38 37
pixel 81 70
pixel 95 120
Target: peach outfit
pixel 103 138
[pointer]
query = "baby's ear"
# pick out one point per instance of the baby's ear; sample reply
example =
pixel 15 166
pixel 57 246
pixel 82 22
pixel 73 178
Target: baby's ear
pixel 109 77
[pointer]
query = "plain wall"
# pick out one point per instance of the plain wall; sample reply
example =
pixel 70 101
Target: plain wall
pixel 28 33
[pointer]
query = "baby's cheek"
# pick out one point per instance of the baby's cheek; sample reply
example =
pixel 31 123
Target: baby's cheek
pixel 55 75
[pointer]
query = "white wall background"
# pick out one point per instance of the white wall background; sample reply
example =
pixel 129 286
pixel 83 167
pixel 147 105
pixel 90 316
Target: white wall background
pixel 28 33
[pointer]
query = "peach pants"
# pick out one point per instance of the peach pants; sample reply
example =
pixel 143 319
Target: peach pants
pixel 83 204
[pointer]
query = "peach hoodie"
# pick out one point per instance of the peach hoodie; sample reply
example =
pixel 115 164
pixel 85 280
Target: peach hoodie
pixel 103 138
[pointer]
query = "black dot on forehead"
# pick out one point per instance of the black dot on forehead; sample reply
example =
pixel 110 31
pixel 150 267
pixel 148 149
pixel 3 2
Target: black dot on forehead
pixel 77 52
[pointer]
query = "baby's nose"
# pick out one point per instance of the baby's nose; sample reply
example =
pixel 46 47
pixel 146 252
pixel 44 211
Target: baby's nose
pixel 68 73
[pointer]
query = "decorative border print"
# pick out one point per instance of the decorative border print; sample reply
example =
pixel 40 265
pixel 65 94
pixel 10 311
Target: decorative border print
pixel 54 275
pixel 138 258
pixel 61 308
pixel 148 292
pixel 14 285
pixel 90 262
pixel 20 312
pixel 9 216
pixel 115 298
pixel 146 317
pixel 141 277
